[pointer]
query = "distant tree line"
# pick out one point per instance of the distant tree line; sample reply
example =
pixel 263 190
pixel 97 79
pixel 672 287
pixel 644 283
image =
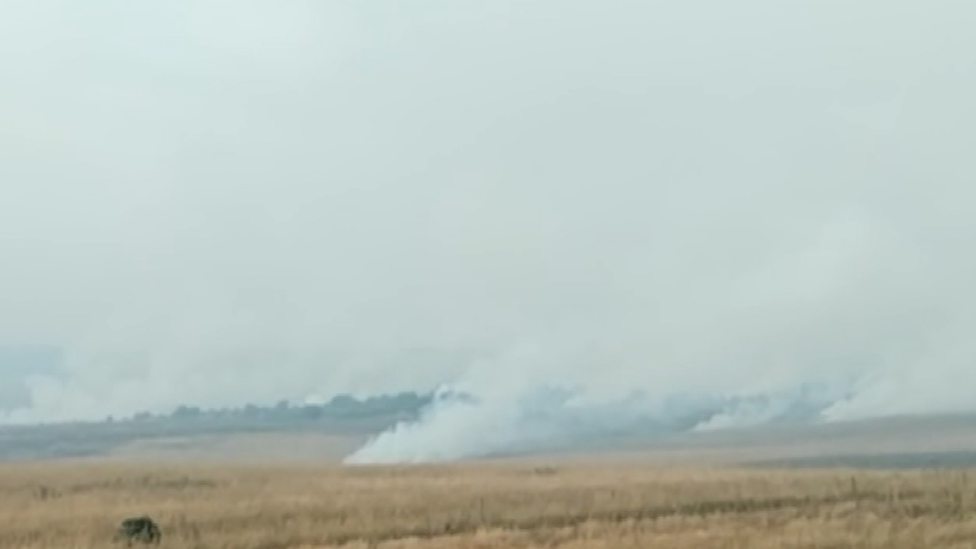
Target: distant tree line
pixel 404 405
pixel 344 414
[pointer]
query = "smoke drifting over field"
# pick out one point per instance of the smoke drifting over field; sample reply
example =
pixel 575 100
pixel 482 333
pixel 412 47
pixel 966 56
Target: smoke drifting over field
pixel 589 216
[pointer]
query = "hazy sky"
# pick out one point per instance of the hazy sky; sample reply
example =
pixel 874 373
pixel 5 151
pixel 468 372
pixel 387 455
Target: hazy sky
pixel 658 193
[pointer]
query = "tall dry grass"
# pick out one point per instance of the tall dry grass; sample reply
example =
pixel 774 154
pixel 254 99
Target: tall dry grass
pixel 486 506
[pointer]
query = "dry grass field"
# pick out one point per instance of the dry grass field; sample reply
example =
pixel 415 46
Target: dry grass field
pixel 519 505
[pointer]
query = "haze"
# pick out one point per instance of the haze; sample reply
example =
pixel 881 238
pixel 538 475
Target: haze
pixel 209 202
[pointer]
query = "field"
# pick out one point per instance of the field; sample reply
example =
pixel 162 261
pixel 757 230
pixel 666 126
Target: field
pixel 506 504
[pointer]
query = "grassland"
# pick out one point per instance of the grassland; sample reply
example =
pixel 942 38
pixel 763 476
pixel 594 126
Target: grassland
pixel 523 505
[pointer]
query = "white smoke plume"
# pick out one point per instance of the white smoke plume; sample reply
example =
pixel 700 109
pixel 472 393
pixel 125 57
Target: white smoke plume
pixel 592 218
pixel 817 335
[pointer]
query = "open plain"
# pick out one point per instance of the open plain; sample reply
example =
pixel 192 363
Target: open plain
pixel 512 503
pixel 892 484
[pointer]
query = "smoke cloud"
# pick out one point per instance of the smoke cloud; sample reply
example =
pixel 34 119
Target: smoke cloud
pixel 590 218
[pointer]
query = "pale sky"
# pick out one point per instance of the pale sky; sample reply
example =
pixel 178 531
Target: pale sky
pixel 712 190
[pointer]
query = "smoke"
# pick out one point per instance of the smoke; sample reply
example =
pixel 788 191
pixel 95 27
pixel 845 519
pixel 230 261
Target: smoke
pixel 477 419
pixel 590 218
pixel 861 322
pixel 832 331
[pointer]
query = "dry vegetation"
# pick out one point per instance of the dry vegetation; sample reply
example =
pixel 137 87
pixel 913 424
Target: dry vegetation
pixel 489 506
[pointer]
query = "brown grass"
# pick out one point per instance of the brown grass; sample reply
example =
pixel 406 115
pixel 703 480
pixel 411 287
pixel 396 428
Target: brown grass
pixel 575 506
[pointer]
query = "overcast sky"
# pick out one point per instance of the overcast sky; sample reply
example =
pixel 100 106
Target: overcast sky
pixel 730 188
